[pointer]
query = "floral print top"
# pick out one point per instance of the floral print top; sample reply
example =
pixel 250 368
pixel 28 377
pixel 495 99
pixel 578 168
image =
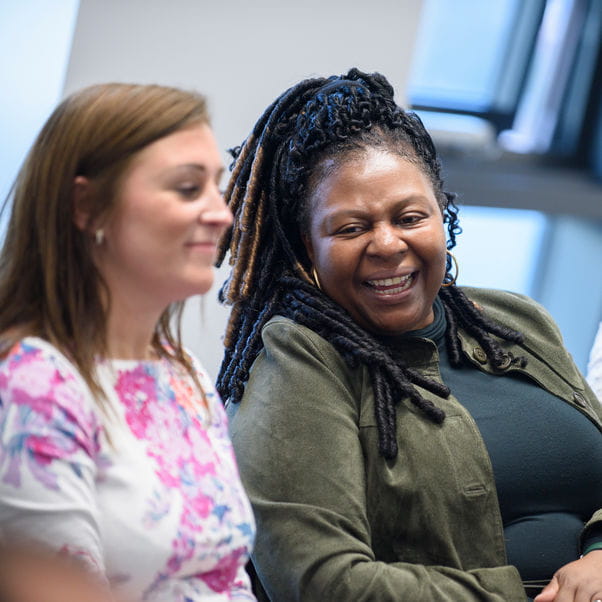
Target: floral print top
pixel 157 506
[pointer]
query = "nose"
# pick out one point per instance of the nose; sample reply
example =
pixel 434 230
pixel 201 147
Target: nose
pixel 216 212
pixel 387 240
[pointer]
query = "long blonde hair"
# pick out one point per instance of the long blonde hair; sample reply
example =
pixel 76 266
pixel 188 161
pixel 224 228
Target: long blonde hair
pixel 49 285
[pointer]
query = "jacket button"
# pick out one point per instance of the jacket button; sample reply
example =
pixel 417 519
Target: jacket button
pixel 579 399
pixel 479 355
pixel 505 362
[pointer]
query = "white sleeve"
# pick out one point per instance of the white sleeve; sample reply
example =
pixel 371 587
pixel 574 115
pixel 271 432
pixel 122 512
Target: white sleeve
pixel 49 436
pixel 594 368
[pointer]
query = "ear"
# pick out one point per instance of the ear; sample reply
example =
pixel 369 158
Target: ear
pixel 80 194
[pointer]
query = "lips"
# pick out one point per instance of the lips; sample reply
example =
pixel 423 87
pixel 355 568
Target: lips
pixel 206 248
pixel 202 244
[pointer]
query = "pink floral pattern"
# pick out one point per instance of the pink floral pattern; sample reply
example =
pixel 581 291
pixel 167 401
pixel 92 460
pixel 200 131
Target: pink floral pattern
pixel 158 506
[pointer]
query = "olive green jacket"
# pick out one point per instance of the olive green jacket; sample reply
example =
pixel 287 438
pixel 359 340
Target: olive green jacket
pixel 336 521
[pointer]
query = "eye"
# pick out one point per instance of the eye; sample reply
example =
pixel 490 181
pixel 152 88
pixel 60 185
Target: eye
pixel 351 229
pixel 410 219
pixel 188 191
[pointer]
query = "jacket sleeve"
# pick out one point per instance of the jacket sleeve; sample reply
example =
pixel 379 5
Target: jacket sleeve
pixel 297 440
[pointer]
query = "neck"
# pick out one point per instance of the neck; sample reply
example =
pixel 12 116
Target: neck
pixel 130 329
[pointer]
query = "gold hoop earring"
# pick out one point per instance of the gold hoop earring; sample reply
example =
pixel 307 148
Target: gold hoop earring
pixel 453 280
pixel 99 236
pixel 314 275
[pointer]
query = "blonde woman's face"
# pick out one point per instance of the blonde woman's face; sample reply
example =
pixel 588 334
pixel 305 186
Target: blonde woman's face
pixel 160 244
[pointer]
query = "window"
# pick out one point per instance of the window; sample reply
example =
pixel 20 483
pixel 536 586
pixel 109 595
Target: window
pixel 472 56
pixel 36 35
pixel 532 69
pixel 495 81
pixel 486 258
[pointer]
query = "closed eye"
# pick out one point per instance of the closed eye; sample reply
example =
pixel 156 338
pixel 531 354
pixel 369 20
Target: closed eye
pixel 353 229
pixel 189 191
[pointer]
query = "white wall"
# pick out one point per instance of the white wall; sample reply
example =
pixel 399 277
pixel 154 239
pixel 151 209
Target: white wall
pixel 35 41
pixel 241 54
pixel 569 283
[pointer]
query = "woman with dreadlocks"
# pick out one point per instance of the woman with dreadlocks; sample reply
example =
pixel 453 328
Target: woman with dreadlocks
pixel 401 438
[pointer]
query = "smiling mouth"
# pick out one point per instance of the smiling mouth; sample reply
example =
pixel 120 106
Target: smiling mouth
pixel 391 286
pixel 208 244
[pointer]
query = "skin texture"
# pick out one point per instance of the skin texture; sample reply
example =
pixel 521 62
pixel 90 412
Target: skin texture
pixel 28 575
pixel 578 581
pixel 373 217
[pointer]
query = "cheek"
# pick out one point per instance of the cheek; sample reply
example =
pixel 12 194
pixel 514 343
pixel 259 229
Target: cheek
pixel 155 232
pixel 438 240
pixel 442 267
pixel 431 247
pixel 332 261
pixel 440 259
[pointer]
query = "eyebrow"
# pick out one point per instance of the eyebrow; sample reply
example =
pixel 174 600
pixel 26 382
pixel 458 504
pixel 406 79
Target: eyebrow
pixel 346 213
pixel 198 167
pixel 359 212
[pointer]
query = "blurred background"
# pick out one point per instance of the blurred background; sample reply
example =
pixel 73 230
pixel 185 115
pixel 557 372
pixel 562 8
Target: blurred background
pixel 511 90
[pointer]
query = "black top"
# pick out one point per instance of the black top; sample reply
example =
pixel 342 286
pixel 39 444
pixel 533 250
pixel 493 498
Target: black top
pixel 546 458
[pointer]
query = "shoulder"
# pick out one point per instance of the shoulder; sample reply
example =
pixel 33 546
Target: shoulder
pixel 542 342
pixel 289 381
pixel 288 343
pixel 33 361
pixel 286 332
pixel 516 311
pixel 294 356
pixel 35 376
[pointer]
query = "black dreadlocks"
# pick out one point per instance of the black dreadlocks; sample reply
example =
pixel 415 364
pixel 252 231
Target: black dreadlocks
pixel 273 174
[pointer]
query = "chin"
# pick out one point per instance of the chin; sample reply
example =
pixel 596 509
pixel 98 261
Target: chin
pixel 199 284
pixel 190 291
pixel 205 284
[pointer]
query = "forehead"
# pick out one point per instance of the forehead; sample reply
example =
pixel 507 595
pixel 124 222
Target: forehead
pixel 193 145
pixel 372 174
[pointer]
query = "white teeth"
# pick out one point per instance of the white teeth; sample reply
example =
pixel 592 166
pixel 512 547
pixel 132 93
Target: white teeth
pixel 402 283
pixel 390 281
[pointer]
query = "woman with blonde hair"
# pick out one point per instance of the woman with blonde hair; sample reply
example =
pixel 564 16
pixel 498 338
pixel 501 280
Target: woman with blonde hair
pixel 114 444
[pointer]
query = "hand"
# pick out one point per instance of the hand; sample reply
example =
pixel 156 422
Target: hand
pixel 578 581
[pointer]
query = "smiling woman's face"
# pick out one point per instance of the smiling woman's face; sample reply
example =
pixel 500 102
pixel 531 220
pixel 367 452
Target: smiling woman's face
pixel 377 241
pixel 161 243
